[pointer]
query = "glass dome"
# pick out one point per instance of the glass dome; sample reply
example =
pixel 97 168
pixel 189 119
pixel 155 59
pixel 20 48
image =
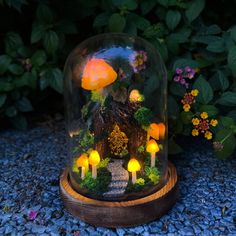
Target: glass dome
pixel 116 115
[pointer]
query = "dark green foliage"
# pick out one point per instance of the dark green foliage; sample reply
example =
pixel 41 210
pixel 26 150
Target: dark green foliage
pixel 192 33
pixel 143 115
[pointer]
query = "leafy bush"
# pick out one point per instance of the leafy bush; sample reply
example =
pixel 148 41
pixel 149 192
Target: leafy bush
pixel 180 30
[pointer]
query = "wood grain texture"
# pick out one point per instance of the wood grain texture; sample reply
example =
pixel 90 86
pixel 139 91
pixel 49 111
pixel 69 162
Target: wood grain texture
pixel 123 213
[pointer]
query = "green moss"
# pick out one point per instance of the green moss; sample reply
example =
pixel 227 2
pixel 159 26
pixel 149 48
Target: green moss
pixel 144 116
pixel 86 140
pixel 140 181
pixel 99 185
pixel 96 96
pixel 153 174
pixel 104 163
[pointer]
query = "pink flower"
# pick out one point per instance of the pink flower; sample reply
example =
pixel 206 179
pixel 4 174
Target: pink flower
pixel 76 233
pixel 32 215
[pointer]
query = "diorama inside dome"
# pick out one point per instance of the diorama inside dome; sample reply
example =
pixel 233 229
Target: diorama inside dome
pixel 115 98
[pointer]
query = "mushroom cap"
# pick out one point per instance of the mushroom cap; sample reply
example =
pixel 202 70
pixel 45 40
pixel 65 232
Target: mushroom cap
pixel 153 131
pixel 97 74
pixel 94 158
pixel 162 130
pixel 82 161
pixel 133 165
pixel 152 146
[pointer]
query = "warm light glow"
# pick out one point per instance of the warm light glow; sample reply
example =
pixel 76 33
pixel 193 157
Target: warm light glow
pixel 82 161
pixel 94 158
pixel 97 74
pixel 152 146
pixel 135 96
pixel 162 130
pixel 153 131
pixel 133 165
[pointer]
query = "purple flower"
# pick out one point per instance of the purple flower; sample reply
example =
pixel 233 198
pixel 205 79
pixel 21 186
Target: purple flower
pixel 187 69
pixel 178 71
pixel 191 74
pixel 138 60
pixel 177 78
pixel 183 81
pixel 32 215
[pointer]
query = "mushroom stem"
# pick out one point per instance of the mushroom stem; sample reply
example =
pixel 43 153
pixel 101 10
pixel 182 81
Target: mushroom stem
pixel 134 177
pixel 94 171
pixel 82 172
pixel 153 157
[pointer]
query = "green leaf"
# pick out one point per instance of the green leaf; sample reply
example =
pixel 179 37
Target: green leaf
pixel 223 81
pixel 209 30
pixel 24 105
pixel 232 114
pixel 5 86
pixel 194 10
pixel 27 79
pixel 39 58
pixel 186 117
pixel 205 90
pixel 55 79
pixel 16 69
pixel 233 33
pixel 183 62
pixel 181 36
pixel 225 122
pixel 147 6
pixel 44 14
pixel 163 3
pixel 51 41
pixel 210 109
pixel 173 107
pixel 232 60
pixel 172 19
pixel 128 4
pixel 101 19
pixel 116 23
pixel 216 46
pixel 19 122
pixel 205 39
pixel 227 99
pixel 140 21
pixel 3 98
pixel 5 61
pixel 37 33
pixel 177 89
pixel 173 147
pixel 226 137
pixel 13 41
pixel 11 111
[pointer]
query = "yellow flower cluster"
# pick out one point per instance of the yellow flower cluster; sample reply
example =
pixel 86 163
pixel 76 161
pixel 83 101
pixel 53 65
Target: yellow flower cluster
pixel 202 125
pixel 189 99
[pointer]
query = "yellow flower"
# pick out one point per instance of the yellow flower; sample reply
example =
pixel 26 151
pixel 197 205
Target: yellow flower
pixel 195 121
pixel 194 92
pixel 186 107
pixel 195 132
pixel 208 135
pixel 214 122
pixel 204 115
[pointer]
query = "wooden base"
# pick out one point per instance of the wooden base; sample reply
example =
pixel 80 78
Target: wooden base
pixel 122 213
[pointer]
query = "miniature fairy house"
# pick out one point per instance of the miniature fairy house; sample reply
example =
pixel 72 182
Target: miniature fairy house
pixel 115 99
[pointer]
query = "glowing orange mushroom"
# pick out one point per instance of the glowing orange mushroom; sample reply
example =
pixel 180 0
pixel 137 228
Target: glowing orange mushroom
pixel 153 131
pixel 162 130
pixel 97 74
pixel 82 162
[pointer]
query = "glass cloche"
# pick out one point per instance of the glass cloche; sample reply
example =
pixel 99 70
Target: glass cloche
pixel 116 115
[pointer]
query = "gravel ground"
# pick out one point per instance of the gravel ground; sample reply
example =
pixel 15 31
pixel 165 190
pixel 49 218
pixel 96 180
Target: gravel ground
pixel 30 164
